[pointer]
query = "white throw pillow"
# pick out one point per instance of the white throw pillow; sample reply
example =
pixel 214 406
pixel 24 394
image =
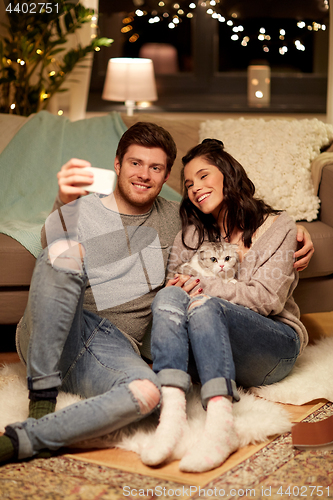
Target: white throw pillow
pixel 277 156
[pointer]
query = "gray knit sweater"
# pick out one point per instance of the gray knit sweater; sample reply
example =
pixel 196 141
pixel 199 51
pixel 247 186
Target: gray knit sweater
pixel 126 257
pixel 266 278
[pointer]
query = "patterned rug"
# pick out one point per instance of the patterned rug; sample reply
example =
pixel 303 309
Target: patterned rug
pixel 277 471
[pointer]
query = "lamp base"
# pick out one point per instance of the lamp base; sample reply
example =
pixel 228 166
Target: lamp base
pixel 130 105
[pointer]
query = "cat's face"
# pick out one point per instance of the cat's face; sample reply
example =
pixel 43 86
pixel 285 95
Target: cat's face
pixel 204 184
pixel 219 258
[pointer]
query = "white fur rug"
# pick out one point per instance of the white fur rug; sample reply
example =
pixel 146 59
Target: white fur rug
pixel 256 418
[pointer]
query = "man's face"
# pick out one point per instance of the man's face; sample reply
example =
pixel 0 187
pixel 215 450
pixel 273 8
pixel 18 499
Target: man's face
pixel 140 178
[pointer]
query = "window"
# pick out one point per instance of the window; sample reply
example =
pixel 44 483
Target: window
pixel 169 47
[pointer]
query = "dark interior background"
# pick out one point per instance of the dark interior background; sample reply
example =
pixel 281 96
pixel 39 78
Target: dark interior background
pixel 212 68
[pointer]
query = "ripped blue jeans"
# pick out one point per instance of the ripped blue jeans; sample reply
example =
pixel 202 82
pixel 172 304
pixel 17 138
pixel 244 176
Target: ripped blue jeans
pixel 230 343
pixel 80 352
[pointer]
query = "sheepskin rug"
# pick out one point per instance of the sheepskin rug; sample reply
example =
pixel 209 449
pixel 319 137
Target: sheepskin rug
pixel 257 416
pixel 311 377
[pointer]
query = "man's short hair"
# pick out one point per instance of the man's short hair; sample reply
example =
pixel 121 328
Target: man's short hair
pixel 148 135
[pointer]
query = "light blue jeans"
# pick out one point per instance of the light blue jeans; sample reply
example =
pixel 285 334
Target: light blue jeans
pixel 68 347
pixel 230 344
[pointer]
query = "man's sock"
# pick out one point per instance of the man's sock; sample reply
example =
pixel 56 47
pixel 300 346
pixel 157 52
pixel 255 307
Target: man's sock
pixel 38 409
pixel 170 428
pixel 7 450
pixel 217 442
pixel 44 454
pixel 42 402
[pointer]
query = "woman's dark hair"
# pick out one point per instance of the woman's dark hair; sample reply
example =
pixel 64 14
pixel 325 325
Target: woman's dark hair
pixel 148 135
pixel 242 210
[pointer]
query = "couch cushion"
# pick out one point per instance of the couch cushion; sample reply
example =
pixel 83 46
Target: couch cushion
pixel 277 156
pixel 13 304
pixel 9 126
pixel 16 263
pixel 314 295
pixel 321 263
pixel 326 195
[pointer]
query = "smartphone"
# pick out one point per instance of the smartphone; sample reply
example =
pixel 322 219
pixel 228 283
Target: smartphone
pixel 104 180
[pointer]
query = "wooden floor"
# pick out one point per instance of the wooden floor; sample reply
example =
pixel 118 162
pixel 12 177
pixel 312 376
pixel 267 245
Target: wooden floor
pixel 318 325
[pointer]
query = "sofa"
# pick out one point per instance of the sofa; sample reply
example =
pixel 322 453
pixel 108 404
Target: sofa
pixel 314 292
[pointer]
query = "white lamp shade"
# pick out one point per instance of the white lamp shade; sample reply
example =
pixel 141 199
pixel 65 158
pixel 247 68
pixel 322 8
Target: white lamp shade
pixel 258 85
pixel 130 79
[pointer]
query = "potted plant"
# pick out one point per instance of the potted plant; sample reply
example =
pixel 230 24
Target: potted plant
pixel 34 61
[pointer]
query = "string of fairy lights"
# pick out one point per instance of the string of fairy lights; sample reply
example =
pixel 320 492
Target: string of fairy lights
pixel 174 13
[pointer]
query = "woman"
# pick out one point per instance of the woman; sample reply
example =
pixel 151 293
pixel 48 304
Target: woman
pixel 246 332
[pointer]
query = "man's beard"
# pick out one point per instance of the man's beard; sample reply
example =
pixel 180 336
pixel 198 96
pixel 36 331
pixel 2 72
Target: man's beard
pixel 135 198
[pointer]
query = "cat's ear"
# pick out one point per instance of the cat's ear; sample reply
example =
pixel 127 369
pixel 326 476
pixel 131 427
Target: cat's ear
pixel 204 245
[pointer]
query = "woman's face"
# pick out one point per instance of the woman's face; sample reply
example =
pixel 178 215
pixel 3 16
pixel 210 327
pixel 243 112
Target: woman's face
pixel 204 184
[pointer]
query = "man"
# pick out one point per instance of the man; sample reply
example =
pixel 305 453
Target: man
pixel 104 260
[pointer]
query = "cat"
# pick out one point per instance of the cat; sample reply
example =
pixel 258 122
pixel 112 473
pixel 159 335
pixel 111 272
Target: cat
pixel 213 259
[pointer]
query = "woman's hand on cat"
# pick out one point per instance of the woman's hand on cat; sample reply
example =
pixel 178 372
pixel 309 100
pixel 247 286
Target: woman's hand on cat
pixel 181 280
pixel 304 254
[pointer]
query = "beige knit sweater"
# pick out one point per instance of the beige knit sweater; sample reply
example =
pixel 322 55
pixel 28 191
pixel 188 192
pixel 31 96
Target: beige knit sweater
pixel 266 277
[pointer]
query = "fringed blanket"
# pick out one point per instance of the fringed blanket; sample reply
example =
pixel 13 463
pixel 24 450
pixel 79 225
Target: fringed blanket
pixel 30 162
